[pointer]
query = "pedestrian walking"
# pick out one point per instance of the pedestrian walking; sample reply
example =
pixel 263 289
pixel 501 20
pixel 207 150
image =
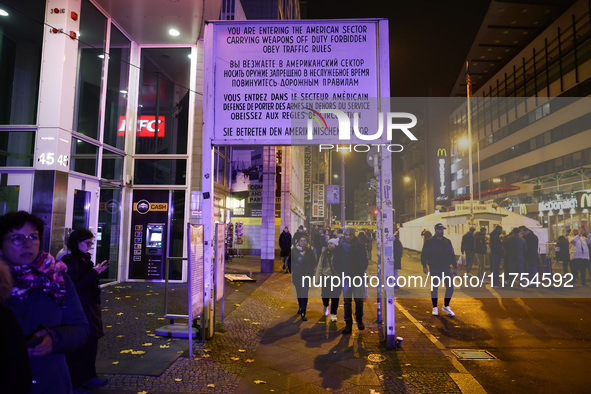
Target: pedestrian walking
pixel 303 263
pixel 297 235
pixel 437 257
pixel 285 246
pixel 84 274
pixel 496 255
pixel 351 259
pixel 326 270
pixel 480 250
pixel 467 248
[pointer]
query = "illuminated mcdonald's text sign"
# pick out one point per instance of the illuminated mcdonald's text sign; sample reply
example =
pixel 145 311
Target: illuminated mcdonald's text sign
pixel 441 152
pixel 522 209
pixel 557 205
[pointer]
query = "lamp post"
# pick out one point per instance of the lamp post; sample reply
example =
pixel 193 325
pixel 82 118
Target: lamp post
pixel 407 179
pixel 343 191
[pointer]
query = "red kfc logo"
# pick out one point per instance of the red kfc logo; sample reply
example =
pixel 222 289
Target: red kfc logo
pixel 146 126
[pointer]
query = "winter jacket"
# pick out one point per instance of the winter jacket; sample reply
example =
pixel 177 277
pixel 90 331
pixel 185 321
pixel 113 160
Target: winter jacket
pixel 496 245
pixel 302 265
pixel 87 285
pixel 50 372
pixel 578 248
pixel 480 242
pixel 351 263
pixel 438 253
pixel 285 243
pixel 467 242
pixel 515 249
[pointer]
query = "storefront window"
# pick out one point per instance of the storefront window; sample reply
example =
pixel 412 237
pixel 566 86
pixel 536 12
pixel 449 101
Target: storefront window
pixel 17 148
pixel 21 40
pixel 160 172
pixel 177 233
pixel 107 237
pixel 112 166
pixel 83 157
pixel 91 54
pixel 117 82
pixel 163 104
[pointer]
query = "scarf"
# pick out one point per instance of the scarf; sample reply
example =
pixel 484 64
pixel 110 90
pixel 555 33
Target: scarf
pixel 45 273
pixel 346 245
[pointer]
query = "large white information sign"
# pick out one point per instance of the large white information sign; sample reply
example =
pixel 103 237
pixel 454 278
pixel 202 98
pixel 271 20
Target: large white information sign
pixel 262 69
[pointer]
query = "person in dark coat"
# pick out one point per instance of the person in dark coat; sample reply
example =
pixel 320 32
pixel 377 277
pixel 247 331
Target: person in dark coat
pixel 532 258
pixel 515 250
pixel 562 253
pixel 285 246
pixel 297 235
pixel 44 301
pixel 467 248
pixel 351 259
pixel 496 254
pixel 437 257
pixel 85 274
pixel 15 371
pixel 303 264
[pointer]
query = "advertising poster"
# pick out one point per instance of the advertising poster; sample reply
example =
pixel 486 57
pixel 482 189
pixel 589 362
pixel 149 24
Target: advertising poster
pixel 196 282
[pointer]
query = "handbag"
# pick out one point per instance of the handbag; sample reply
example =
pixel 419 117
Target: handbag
pixel 461 262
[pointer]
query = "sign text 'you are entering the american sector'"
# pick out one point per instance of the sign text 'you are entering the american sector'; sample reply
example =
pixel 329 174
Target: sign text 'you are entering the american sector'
pixel 264 72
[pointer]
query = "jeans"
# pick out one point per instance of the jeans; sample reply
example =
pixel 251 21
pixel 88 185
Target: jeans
pixel 446 278
pixel 480 261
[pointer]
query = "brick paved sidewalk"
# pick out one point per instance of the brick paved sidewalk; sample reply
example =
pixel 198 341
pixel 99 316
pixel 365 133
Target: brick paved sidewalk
pixel 265 347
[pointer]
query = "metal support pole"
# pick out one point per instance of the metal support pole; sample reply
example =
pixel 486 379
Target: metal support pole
pixel 343 191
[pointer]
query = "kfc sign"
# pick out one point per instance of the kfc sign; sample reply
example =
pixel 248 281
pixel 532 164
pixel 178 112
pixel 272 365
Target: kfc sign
pixel 146 126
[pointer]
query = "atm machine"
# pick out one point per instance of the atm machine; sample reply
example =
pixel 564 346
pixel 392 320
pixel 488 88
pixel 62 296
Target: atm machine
pixel 154 253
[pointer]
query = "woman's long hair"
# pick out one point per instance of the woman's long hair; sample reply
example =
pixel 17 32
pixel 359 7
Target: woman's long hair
pixel 76 237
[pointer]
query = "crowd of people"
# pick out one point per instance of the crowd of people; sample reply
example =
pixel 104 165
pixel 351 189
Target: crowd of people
pixel 50 311
pixel 516 253
pixel 325 253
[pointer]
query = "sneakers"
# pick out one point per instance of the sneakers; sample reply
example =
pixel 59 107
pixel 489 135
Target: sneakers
pixel 348 328
pixel 326 311
pixel 333 318
pixel 448 310
pixel 435 311
pixel 304 318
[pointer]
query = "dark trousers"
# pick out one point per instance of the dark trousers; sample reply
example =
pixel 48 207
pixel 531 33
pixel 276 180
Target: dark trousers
pixel 82 362
pixel 350 292
pixel 302 293
pixel 579 268
pixel 449 288
pixel 495 262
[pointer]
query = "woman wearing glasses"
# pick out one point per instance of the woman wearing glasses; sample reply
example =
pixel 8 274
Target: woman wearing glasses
pixel 44 301
pixel 85 274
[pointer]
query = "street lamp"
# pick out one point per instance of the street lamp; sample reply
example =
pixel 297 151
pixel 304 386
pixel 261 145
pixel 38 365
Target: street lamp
pixel 407 179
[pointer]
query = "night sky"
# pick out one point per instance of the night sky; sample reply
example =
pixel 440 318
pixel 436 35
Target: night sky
pixel 429 42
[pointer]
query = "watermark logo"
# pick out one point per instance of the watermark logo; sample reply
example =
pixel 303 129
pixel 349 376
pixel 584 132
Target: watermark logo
pixel 344 124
